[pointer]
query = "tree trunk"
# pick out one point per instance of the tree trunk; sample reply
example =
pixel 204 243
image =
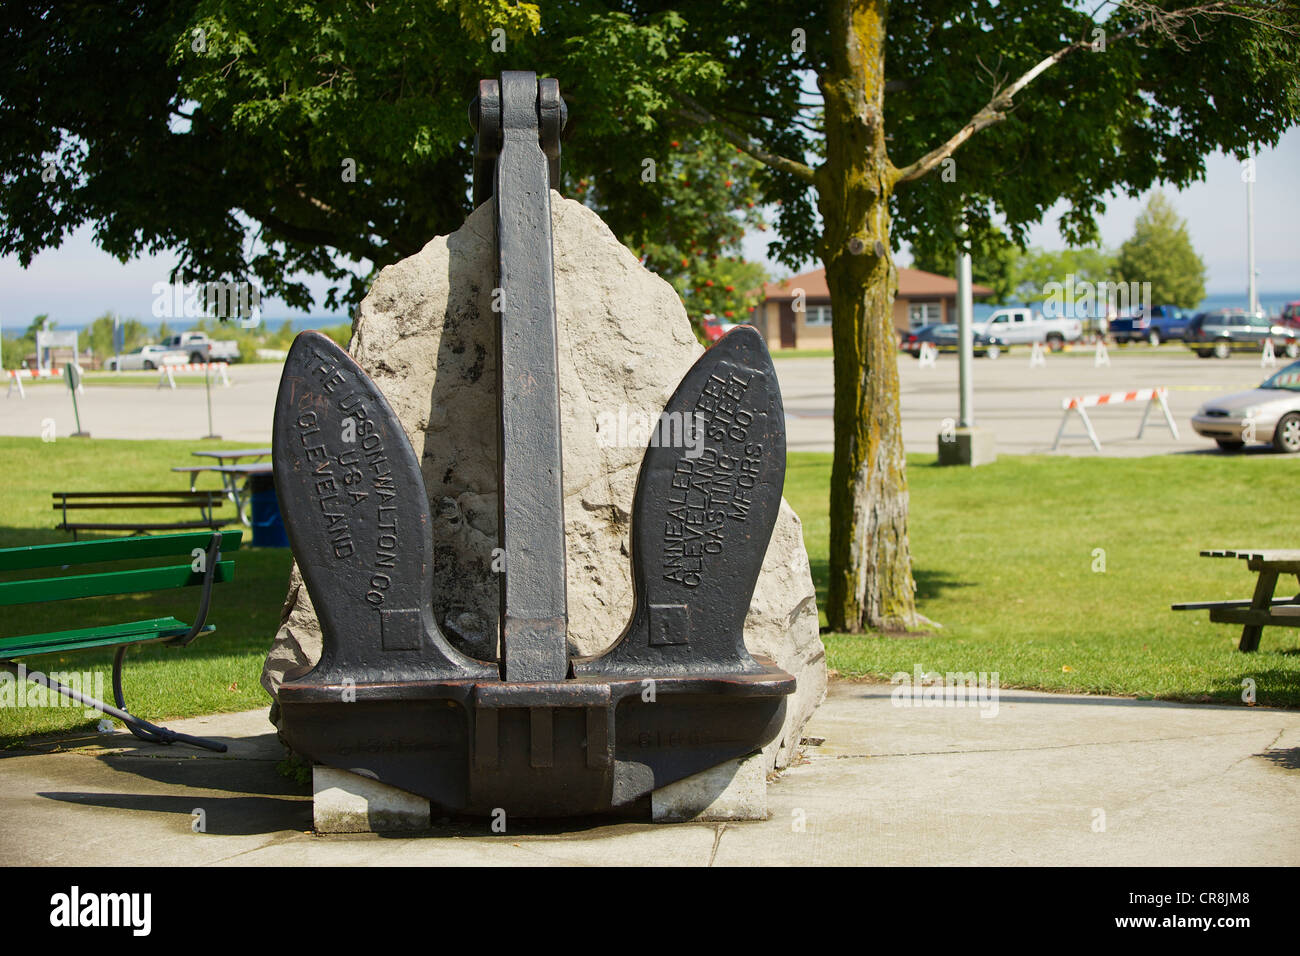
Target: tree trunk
pixel 871 582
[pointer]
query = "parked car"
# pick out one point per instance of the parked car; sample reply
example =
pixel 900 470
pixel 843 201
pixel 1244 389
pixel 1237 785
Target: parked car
pixel 944 337
pixel 1224 331
pixel 147 357
pixel 1269 414
pixel 1025 326
pixel 1158 324
pixel 199 348
pixel 715 328
pixel 1290 315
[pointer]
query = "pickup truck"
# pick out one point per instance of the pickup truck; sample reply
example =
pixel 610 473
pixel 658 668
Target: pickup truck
pixel 1025 326
pixel 1160 324
pixel 199 348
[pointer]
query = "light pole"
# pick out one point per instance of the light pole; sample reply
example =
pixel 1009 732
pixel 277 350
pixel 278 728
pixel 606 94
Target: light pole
pixel 965 337
pixel 1252 293
pixel 965 444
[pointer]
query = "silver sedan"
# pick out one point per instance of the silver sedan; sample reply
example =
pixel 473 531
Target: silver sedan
pixel 1270 413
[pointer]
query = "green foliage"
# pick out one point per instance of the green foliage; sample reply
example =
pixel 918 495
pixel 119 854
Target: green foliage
pixel 18 347
pixel 1017 276
pixel 1160 252
pixel 1144 110
pixel 98 336
pixel 1038 267
pixel 995 262
pixel 705 192
pixel 296 768
pixel 335 133
pixel 727 287
pixel 252 113
pixel 341 334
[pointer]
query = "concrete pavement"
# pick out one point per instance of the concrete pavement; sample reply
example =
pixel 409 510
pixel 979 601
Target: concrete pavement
pixel 1022 405
pixel 241 412
pixel 1047 779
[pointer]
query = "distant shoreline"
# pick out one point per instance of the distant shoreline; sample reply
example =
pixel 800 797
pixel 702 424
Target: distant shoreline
pixel 1270 302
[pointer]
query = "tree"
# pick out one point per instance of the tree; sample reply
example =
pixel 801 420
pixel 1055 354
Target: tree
pixel 1039 267
pixel 706 191
pixel 98 336
pixel 304 139
pixel 728 287
pixel 996 264
pixel 250 113
pixel 1054 105
pixel 1160 252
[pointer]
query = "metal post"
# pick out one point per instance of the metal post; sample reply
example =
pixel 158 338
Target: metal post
pixel 1251 291
pixel 207 385
pixel 73 375
pixel 965 335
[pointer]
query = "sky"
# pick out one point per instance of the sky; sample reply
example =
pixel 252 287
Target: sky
pixel 77 282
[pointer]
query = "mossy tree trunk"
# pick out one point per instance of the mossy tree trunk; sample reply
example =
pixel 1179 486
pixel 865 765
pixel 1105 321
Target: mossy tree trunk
pixel 871 583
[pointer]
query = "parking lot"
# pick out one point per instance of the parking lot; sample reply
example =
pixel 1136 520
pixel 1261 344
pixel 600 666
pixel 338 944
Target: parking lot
pixel 1019 403
pixel 1022 405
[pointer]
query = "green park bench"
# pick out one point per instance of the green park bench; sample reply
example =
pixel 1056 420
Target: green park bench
pixel 216 568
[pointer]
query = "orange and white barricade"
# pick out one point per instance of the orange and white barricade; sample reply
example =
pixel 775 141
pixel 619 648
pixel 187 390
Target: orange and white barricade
pixel 168 371
pixel 1080 404
pixel 16 376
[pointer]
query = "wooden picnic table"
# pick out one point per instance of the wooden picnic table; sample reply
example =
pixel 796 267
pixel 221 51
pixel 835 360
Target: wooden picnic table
pixel 230 476
pixel 1263 609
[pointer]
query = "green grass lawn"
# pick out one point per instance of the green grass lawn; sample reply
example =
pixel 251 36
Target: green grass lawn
pixel 215 673
pixel 1003 558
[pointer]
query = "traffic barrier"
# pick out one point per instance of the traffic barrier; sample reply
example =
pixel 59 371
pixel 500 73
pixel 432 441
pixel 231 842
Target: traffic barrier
pixel 1080 404
pixel 168 371
pixel 1269 357
pixel 16 376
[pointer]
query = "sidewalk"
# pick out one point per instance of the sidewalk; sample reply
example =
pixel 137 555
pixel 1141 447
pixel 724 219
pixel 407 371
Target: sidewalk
pixel 1177 784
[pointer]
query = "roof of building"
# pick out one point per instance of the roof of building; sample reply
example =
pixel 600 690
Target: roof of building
pixel 912 284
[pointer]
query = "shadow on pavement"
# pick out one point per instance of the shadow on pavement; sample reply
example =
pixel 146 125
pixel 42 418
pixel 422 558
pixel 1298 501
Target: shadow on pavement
pixel 224 816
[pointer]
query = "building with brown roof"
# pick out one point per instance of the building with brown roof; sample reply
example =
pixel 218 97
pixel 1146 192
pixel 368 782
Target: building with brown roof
pixel 923 298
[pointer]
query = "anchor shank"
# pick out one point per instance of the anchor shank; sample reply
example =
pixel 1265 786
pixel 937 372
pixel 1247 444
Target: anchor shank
pixel 534 616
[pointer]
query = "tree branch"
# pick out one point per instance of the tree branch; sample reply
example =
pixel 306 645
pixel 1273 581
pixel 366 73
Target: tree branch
pixel 693 111
pixel 1152 17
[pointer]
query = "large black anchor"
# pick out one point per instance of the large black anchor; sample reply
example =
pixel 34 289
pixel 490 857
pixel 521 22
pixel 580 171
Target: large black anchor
pixel 536 734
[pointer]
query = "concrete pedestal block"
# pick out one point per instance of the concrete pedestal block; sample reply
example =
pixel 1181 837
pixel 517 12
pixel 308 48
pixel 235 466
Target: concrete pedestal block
pixel 735 790
pixel 344 802
pixel 966 446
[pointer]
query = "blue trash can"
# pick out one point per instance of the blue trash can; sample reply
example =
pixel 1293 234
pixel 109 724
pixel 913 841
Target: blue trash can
pixel 268 526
